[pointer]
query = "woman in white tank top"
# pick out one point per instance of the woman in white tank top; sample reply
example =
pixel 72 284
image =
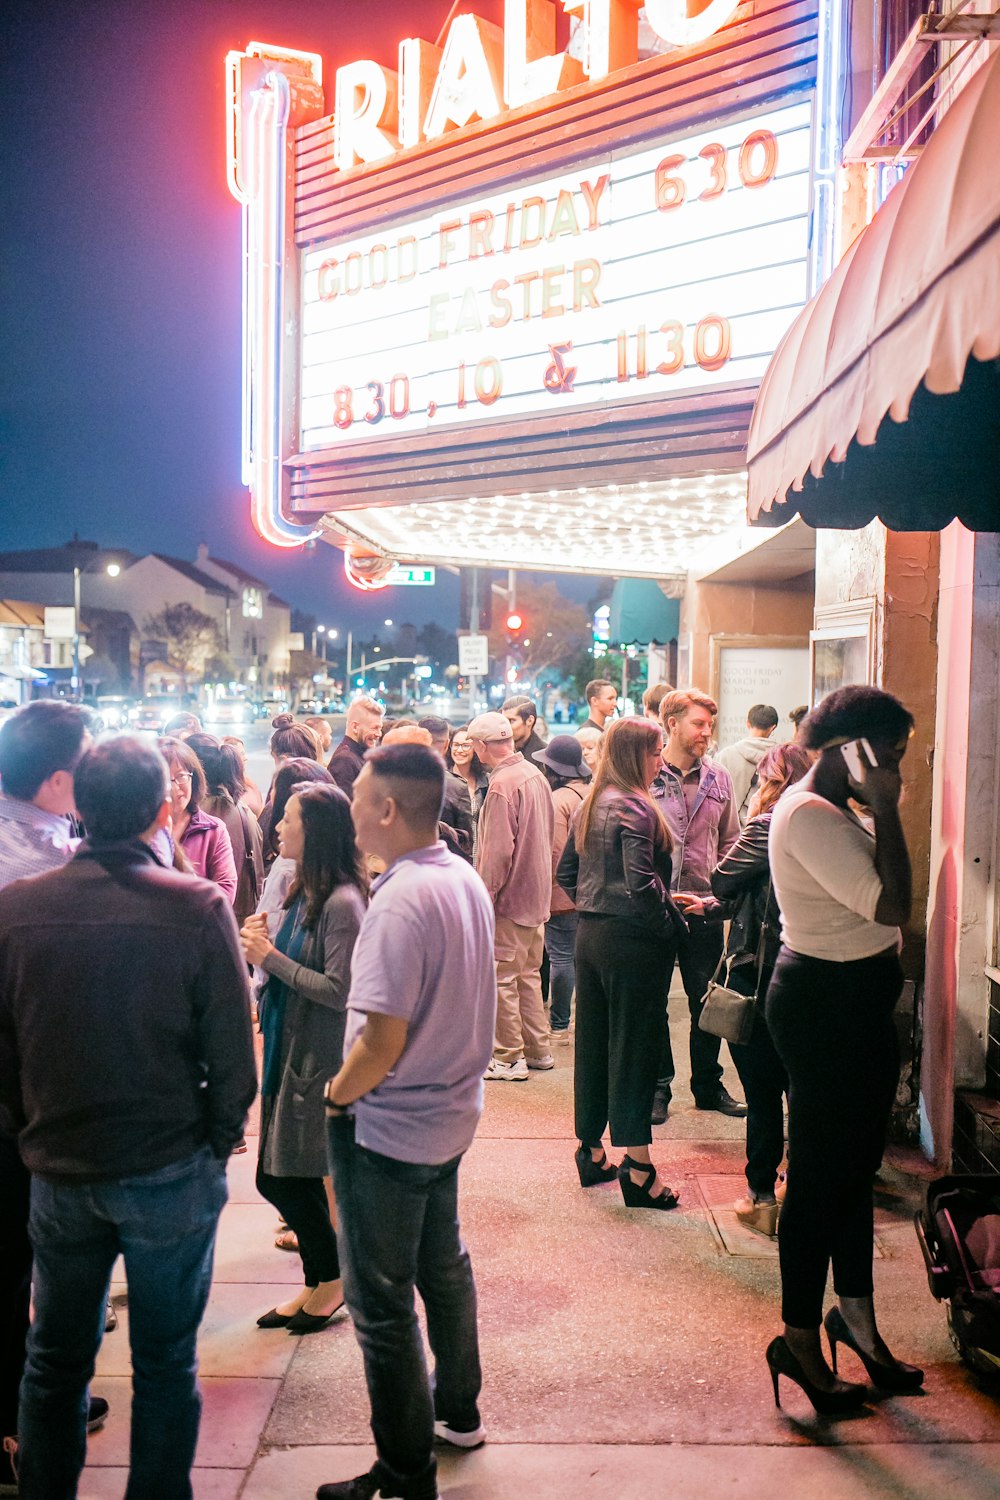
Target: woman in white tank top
pixel 843 891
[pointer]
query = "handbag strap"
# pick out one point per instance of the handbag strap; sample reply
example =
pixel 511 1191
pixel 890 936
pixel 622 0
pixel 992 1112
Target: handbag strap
pixel 248 852
pixel 764 929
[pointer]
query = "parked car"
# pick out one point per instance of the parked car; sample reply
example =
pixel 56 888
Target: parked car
pixel 230 713
pixel 153 713
pixel 116 710
pixel 269 708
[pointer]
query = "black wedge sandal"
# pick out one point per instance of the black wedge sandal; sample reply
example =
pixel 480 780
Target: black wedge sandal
pixel 637 1196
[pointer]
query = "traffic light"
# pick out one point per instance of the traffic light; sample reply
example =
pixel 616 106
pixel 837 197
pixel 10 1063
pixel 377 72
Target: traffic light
pixel 515 625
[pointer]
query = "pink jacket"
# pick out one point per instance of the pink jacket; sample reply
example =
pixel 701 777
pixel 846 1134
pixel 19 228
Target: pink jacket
pixel 514 846
pixel 566 800
pixel 207 844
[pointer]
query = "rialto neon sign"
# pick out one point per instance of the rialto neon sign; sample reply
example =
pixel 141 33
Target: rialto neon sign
pixel 481 70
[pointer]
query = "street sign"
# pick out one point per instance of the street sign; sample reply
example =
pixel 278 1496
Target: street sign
pixel 296 640
pixel 473 655
pixel 401 573
pixel 60 622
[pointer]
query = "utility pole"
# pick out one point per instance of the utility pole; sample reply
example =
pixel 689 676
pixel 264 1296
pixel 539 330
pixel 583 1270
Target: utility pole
pixel 473 628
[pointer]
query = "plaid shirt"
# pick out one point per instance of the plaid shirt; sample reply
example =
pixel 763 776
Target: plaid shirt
pixel 32 841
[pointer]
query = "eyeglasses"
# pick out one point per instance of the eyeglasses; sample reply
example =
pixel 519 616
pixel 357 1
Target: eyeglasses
pixel 180 778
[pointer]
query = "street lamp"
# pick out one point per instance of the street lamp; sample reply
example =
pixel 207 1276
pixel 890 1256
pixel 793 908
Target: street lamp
pixel 112 569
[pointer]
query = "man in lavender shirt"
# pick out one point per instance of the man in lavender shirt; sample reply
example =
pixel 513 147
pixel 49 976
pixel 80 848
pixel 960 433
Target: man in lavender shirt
pixel 402 1111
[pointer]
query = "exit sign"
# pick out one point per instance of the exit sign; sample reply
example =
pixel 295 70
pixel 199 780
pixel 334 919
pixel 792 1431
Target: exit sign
pixel 421 577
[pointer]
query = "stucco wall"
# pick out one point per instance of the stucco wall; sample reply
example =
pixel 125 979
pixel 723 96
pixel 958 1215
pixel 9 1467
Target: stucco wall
pixel 743 609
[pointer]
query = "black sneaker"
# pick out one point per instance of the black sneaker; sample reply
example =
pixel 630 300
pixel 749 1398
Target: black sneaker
pixel 723 1103
pixel 367 1486
pixel 97 1413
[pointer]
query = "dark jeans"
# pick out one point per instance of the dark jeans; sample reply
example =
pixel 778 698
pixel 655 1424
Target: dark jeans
pixel 560 945
pixel 697 955
pixel 15 1279
pixel 398 1229
pixel 164 1224
pixel 302 1203
pixel 765 1083
pixel 833 1029
pixel 619 1021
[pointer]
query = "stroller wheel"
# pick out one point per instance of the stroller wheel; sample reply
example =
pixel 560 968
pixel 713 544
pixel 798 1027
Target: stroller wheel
pixel 985 1366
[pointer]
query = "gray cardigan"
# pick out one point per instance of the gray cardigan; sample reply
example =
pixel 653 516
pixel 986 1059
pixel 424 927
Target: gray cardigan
pixel 312 1039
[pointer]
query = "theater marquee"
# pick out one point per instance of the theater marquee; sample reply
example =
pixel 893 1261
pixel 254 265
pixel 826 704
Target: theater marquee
pixel 513 267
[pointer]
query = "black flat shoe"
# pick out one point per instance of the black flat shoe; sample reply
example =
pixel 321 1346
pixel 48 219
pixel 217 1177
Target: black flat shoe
pixel 723 1103
pixel 781 1361
pixel 639 1196
pixel 895 1377
pixel 661 1107
pixel 593 1172
pixel 275 1319
pixel 304 1322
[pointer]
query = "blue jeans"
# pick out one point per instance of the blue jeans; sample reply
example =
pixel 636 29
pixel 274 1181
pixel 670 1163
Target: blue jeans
pixel 164 1224
pixel 560 945
pixel 398 1229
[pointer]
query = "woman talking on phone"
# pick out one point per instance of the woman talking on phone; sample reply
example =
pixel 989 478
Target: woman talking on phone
pixel 844 890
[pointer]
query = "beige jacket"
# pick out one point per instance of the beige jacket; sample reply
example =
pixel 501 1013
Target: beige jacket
pixel 514 848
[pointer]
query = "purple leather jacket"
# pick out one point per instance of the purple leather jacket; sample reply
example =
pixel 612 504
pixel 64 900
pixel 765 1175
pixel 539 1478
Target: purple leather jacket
pixel 207 844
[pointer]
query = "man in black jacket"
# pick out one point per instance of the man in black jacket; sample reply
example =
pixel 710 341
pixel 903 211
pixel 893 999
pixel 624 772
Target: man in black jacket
pixel 362 732
pixel 126 1069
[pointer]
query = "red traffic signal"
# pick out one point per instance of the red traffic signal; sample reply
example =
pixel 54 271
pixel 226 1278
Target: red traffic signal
pixel 514 623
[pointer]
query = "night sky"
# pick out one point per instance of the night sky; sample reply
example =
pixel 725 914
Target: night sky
pixel 120 398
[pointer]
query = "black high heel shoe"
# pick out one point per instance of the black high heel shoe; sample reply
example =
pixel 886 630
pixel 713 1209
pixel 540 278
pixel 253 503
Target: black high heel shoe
pixel 895 1377
pixel 781 1361
pixel 304 1322
pixel 593 1172
pixel 638 1195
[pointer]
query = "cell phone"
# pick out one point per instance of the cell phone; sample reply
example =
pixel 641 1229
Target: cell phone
pixel 859 756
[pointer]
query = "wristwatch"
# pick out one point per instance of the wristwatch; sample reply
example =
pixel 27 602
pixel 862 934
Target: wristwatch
pixel 332 1107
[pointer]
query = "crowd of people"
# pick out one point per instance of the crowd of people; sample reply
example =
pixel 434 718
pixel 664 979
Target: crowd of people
pixel 403 916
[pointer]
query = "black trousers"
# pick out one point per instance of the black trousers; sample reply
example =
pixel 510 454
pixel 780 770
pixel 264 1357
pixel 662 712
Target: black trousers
pixel 765 1083
pixel 15 1279
pixel 833 1029
pixel 303 1204
pixel 697 955
pixel 619 1022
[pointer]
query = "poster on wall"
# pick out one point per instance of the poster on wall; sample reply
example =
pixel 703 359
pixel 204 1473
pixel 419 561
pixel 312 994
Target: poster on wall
pixel 776 675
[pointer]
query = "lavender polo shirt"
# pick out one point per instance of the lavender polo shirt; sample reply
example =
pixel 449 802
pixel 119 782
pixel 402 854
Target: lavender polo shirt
pixel 425 954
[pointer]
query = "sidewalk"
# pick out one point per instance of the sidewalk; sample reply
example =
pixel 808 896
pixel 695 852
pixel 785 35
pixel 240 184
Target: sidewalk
pixel 623 1350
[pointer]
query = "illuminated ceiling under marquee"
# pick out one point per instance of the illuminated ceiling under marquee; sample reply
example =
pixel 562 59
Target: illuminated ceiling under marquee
pixel 648 530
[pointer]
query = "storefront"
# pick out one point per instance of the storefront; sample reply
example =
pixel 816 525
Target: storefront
pixel 879 422
pixel 509 304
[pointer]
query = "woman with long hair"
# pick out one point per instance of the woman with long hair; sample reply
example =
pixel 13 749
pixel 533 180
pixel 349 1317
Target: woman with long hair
pixel 616 869
pixel 742 879
pixel 202 839
pixel 463 762
pixel 844 889
pixel 302 1016
pixel 223 770
pixel 289 741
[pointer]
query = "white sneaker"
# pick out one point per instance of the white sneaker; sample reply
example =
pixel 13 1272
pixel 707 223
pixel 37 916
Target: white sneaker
pixel 541 1064
pixel 515 1072
pixel 475 1438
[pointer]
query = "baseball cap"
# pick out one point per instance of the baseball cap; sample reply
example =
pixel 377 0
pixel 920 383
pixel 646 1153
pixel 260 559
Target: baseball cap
pixel 490 727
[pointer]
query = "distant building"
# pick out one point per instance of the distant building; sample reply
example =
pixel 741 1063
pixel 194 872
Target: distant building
pixel 253 623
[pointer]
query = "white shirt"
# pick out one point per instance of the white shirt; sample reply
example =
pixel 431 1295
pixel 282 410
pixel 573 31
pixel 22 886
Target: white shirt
pixel 825 881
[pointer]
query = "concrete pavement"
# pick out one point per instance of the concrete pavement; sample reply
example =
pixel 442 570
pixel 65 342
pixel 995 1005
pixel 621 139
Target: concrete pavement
pixel 623 1350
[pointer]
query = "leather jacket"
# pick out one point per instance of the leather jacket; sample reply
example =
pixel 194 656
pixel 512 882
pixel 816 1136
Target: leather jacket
pixel 742 880
pixel 624 870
